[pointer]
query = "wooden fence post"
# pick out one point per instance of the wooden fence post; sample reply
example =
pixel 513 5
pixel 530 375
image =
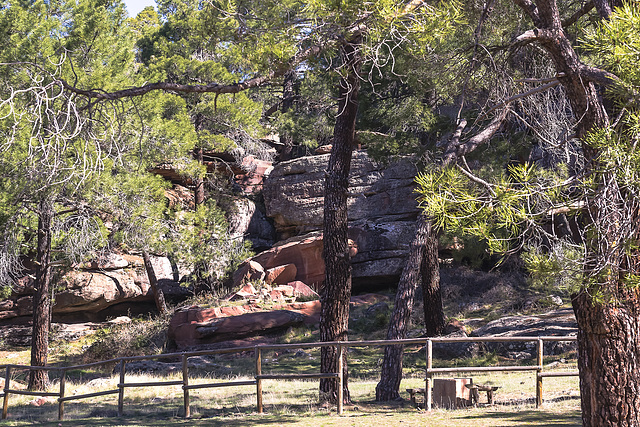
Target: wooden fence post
pixel 63 378
pixel 429 379
pixel 258 354
pixel 185 385
pixel 121 387
pixel 538 372
pixel 340 350
pixel 5 400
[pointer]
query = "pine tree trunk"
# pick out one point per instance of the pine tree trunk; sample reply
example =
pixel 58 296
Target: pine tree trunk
pixel 434 320
pixel 336 291
pixel 608 360
pixel 39 380
pixel 391 371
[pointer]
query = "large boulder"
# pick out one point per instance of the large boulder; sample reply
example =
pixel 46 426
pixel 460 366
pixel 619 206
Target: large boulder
pixel 294 192
pixel 381 210
pixel 382 249
pixel 304 252
pixel 96 290
pixel 378 250
pixel 252 174
pixel 107 287
pixel 196 326
pixel 215 329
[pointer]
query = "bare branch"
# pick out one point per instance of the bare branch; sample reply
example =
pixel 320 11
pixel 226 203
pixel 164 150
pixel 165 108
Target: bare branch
pixel 476 179
pixel 572 207
pixel 544 80
pixel 553 83
pixel 598 75
pixel 586 8
pixel 527 36
pixel 454 151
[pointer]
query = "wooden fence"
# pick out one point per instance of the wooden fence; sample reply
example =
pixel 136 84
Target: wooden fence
pixel 259 376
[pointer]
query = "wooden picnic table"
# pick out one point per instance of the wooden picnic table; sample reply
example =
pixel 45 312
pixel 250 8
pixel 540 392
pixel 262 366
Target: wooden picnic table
pixel 476 388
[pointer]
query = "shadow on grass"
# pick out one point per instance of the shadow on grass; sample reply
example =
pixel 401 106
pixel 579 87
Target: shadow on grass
pixel 368 412
pixel 528 417
pixel 138 415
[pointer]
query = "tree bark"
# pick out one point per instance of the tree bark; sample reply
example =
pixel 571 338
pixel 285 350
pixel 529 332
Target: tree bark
pixel 335 293
pixel 391 370
pixel 39 380
pixel 158 295
pixel 434 320
pixel 608 358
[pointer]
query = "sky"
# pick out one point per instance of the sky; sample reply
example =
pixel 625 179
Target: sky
pixel 135 6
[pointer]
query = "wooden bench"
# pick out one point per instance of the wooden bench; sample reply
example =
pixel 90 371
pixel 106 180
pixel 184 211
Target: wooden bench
pixel 412 392
pixel 476 388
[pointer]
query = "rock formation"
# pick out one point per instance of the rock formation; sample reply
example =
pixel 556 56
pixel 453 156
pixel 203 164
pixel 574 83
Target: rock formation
pixel 382 212
pixel 100 289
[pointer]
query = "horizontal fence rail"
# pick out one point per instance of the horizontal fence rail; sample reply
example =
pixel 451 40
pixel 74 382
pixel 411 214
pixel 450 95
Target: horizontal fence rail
pixel 259 376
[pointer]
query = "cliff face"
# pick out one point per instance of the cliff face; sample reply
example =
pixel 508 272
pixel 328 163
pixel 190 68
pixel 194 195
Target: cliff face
pixel 294 193
pixel 382 213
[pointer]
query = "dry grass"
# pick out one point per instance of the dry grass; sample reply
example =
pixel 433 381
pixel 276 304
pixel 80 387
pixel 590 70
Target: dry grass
pixel 296 403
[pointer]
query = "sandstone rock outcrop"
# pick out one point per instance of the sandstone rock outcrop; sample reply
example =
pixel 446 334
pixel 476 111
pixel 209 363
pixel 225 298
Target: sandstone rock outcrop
pixel 305 253
pixel 382 213
pixel 95 287
pixel 252 174
pixel 194 327
pixel 248 222
pixel 294 191
pixel 197 326
pixel 281 275
pixel 560 322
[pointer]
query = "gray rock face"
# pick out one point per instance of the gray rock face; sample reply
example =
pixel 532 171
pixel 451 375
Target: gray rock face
pixel 382 250
pixel 381 209
pixel 293 193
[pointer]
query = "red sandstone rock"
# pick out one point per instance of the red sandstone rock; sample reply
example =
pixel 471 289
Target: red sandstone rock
pixel 196 326
pixel 24 306
pixel 302 290
pixel 324 149
pixel 276 296
pixel 253 174
pixel 9 314
pixel 180 197
pixel 285 290
pixel 216 330
pixel 249 270
pixel 42 401
pixel 245 292
pixel 305 254
pixel 281 275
